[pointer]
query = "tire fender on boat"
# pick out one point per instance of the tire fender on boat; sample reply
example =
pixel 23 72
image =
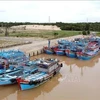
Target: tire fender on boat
pixel 54 73
pixel 31 82
pixel 13 80
pixel 61 65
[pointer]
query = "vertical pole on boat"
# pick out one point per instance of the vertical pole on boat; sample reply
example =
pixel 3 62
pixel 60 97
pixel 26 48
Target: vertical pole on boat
pixel 48 43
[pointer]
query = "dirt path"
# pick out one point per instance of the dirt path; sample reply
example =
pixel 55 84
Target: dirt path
pixel 38 44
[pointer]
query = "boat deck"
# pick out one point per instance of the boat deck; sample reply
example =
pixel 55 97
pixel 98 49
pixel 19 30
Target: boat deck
pixel 36 76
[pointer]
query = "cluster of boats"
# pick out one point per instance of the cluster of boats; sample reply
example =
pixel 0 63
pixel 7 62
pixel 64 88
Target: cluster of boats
pixel 16 67
pixel 83 49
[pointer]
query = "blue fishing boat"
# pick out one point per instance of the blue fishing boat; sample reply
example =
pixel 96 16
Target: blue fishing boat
pixel 60 50
pixel 9 76
pixel 63 42
pixel 92 50
pixel 46 69
pixel 14 55
pixel 83 56
pixel 48 50
pixel 70 53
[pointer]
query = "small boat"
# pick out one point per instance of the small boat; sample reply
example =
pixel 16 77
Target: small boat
pixel 46 69
pixel 10 77
pixel 63 42
pixel 13 56
pixel 48 50
pixel 83 56
pixel 60 50
pixel 70 53
pixel 12 59
pixel 92 50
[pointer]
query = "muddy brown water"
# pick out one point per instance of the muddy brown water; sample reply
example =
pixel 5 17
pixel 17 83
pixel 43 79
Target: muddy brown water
pixel 77 80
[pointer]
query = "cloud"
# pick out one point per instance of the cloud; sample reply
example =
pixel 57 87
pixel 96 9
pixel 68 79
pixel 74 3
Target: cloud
pixel 39 11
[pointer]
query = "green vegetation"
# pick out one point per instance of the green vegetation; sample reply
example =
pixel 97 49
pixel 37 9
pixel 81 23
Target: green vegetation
pixel 67 29
pixel 64 26
pixel 44 34
pixel 98 34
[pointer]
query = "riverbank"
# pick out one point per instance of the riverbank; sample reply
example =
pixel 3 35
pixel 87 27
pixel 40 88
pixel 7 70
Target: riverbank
pixel 36 45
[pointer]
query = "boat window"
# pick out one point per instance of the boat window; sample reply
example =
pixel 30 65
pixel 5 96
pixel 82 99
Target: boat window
pixel 43 66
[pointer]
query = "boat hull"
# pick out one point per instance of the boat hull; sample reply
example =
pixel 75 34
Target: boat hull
pixel 61 53
pixel 10 78
pixel 71 55
pixel 84 57
pixel 30 85
pixel 49 52
pixel 8 81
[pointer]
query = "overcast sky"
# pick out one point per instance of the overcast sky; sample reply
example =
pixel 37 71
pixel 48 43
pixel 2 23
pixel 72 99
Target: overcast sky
pixel 59 11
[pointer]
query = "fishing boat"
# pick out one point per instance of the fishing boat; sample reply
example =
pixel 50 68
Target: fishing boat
pixel 48 50
pixel 9 76
pixel 13 56
pixel 63 42
pixel 70 53
pixel 47 68
pixel 12 59
pixel 60 50
pixel 92 50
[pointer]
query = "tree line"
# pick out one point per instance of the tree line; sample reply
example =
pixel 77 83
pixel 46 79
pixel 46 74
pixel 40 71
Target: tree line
pixel 64 26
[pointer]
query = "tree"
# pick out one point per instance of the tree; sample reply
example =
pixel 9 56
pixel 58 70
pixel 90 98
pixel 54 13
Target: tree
pixel 84 32
pixel 88 32
pixel 6 29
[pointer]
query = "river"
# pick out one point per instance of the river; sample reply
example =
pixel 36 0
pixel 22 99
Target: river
pixel 77 80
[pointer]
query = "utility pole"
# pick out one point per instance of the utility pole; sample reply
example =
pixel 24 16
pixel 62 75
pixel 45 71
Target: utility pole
pixel 49 19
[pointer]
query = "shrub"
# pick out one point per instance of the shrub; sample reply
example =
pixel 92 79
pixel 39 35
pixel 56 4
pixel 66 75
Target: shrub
pixel 55 34
pixel 84 32
pixel 88 32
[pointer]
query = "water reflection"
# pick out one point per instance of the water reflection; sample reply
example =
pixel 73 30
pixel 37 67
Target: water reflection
pixel 71 61
pixel 77 79
pixel 39 91
pixel 6 91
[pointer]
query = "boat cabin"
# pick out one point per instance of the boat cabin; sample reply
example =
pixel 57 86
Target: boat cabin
pixel 47 66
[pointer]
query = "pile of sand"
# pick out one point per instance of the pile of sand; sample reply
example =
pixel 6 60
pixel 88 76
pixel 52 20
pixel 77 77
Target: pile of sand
pixel 36 27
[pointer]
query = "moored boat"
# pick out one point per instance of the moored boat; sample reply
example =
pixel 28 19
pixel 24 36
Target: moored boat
pixel 46 70
pixel 48 50
pixel 8 76
pixel 70 53
pixel 92 50
pixel 60 50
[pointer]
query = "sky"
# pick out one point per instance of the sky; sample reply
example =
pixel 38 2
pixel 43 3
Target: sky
pixel 50 11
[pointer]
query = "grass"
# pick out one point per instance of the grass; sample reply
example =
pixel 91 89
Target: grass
pixel 98 34
pixel 43 34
